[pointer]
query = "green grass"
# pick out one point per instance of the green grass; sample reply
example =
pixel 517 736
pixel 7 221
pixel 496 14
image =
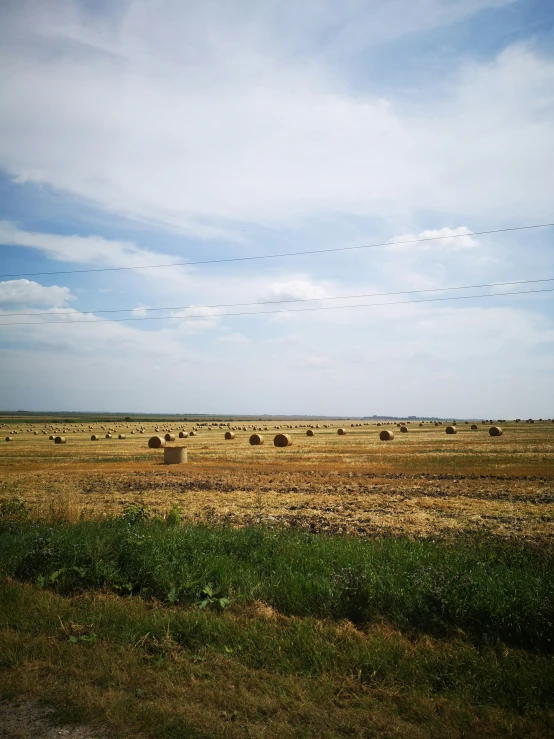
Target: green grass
pixel 379 657
pixel 490 592
pixel 160 628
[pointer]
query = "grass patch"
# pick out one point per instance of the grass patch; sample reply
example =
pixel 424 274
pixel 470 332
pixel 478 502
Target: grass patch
pixel 143 667
pixel 493 593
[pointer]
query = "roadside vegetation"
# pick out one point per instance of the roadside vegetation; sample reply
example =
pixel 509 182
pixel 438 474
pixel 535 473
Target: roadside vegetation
pixel 208 630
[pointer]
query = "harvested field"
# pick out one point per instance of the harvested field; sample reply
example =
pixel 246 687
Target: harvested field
pixel 420 484
pixel 406 581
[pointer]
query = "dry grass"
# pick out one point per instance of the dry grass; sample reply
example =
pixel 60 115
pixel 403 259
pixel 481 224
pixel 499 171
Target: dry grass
pixel 422 483
pixel 140 681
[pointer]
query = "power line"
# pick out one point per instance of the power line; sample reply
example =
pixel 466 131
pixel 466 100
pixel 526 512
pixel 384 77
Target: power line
pixel 277 256
pixel 279 302
pixel 270 312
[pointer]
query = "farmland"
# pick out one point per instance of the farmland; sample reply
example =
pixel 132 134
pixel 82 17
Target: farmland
pixel 404 585
pixel 423 482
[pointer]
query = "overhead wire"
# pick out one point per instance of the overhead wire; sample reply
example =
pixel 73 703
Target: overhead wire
pixel 288 300
pixel 271 312
pixel 278 256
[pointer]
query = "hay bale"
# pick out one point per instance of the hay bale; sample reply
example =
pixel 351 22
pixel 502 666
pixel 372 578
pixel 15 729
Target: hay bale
pixel 60 440
pixel 94 437
pixel 9 438
pixel 256 440
pixel 169 437
pixel 193 433
pixel 495 431
pixel 386 435
pixel 121 436
pixel 183 434
pixel 175 455
pixel 341 431
pixel 50 438
pixel 229 434
pixel 451 430
pixel 309 432
pixel 282 440
pixel 474 427
pixel 108 436
pixel 156 442
pixel 404 429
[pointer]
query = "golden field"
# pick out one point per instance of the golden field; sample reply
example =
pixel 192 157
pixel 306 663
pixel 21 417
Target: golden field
pixel 422 483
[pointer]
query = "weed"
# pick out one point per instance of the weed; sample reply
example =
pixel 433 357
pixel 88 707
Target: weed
pixel 134 513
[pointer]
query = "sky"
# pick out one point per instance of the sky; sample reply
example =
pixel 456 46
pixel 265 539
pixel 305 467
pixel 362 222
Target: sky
pixel 155 132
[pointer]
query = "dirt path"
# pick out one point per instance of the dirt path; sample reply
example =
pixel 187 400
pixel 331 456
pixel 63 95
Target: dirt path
pixel 26 719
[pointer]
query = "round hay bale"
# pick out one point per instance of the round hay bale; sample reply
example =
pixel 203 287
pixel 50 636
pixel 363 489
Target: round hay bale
pixel 229 434
pixel 183 434
pixel 309 432
pixel 256 439
pixel 282 440
pixel 94 437
pixel 341 431
pixel 60 440
pixel 404 429
pixel 156 442
pixel 50 438
pixel 9 438
pixel 193 433
pixel 35 433
pixel 108 436
pixel 451 430
pixel 386 435
pixel 169 437
pixel 175 455
pixel 495 431
pixel 121 436
pixel 474 427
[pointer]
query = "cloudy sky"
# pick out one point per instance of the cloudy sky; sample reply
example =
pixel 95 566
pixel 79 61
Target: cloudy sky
pixel 148 132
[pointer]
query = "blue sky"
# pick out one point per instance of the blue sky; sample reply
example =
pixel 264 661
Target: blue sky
pixel 146 132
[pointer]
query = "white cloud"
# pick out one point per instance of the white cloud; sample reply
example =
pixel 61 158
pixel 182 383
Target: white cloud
pixel 198 118
pixel 441 239
pixel 25 293
pixel 313 362
pixel 380 362
pixel 141 312
pixel 225 130
pixel 199 318
pixel 96 252
pixel 90 250
pixel 293 289
pixel 235 338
